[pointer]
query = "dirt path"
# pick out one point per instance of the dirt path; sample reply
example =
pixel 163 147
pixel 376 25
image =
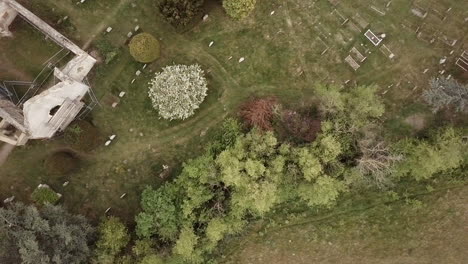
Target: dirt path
pixel 5 151
pixel 105 22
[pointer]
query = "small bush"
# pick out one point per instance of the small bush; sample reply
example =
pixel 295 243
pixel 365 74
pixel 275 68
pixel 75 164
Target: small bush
pixel 144 48
pixel 45 195
pixel 239 9
pixel 107 50
pixel 180 12
pixel 225 136
pixel 61 162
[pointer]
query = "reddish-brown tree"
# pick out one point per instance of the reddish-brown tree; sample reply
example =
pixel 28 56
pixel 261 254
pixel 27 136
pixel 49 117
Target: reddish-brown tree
pixel 258 112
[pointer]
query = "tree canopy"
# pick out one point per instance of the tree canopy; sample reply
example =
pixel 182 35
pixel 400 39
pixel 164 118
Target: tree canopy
pixel 355 106
pixel 424 159
pixel 218 192
pixel 113 237
pixel 47 235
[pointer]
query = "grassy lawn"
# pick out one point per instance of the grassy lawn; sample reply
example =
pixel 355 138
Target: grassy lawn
pixel 19 61
pixel 429 227
pixel 286 53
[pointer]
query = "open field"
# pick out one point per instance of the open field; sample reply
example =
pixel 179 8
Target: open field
pixel 429 227
pixel 303 43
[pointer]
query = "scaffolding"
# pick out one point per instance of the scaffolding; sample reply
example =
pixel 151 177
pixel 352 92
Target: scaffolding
pixel 41 113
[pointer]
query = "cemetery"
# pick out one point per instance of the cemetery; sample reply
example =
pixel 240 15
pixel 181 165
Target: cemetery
pixel 345 43
pixel 76 76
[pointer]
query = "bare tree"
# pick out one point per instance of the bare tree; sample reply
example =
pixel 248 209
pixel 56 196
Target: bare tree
pixel 445 92
pixel 376 163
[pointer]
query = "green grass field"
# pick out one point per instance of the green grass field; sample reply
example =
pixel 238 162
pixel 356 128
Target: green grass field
pixel 286 53
pixel 427 227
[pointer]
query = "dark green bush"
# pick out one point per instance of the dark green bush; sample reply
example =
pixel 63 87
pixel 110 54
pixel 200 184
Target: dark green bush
pixel 107 50
pixel 180 12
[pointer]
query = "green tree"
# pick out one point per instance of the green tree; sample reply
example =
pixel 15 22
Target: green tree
pixel 216 229
pixel 215 195
pixel 48 235
pixel 332 99
pixel 424 159
pixel 161 213
pixel 327 148
pixel 185 245
pixel 244 168
pixel 225 136
pixel 239 9
pixel 143 248
pixel 113 237
pixel 309 164
pixel 127 259
pixel 363 104
pixel 355 106
pixel 152 259
pixel 324 192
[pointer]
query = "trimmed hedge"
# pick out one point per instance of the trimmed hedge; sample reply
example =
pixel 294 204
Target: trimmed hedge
pixel 144 48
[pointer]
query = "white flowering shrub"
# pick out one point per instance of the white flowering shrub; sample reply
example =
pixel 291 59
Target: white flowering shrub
pixel 178 91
